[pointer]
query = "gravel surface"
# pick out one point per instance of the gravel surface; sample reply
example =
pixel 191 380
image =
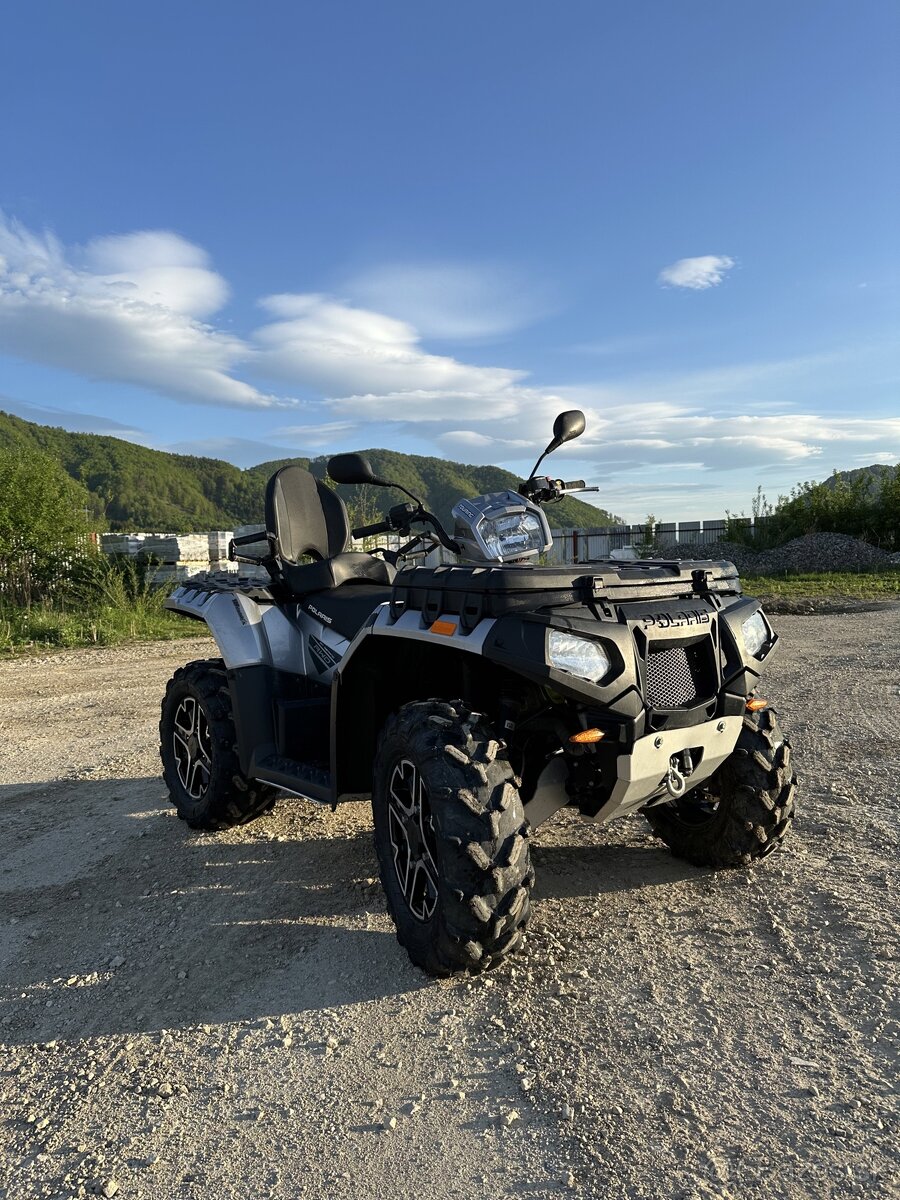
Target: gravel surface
pixel 230 1016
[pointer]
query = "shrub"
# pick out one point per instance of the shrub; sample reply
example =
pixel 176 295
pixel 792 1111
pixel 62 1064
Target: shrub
pixel 865 506
pixel 45 531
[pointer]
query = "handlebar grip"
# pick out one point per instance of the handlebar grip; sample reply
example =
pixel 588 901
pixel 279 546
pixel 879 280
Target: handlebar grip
pixel 371 530
pixel 574 485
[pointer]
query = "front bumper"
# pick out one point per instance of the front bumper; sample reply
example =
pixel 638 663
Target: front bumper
pixel 641 773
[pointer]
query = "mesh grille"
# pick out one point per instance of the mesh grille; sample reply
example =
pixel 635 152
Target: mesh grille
pixel 671 682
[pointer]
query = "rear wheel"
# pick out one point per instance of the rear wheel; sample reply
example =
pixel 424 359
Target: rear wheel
pixel 451 838
pixel 744 810
pixel 197 745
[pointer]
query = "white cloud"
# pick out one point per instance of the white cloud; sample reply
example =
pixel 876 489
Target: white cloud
pixel 314 435
pixel 627 435
pixel 157 267
pixel 125 309
pixel 134 308
pixel 243 452
pixel 319 342
pixel 450 300
pixel 699 273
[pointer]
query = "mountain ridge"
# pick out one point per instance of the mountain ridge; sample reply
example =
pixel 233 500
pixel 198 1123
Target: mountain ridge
pixel 135 487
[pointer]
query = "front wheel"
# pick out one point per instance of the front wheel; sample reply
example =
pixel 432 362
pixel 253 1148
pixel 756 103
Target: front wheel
pixel 451 838
pixel 744 811
pixel 197 744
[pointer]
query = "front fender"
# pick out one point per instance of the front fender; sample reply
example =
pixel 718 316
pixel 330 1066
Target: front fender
pixel 390 663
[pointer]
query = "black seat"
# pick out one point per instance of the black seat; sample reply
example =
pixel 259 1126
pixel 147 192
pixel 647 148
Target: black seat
pixel 304 517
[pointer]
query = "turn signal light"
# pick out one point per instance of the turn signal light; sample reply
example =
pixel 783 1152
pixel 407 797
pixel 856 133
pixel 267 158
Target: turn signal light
pixel 447 628
pixel 587 735
pixel 756 704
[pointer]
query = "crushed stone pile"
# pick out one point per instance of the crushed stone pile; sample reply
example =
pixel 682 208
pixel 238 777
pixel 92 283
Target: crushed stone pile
pixel 812 552
pixel 821 552
pixel 743 557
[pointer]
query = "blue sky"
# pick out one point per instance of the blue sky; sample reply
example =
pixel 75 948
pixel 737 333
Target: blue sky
pixel 254 230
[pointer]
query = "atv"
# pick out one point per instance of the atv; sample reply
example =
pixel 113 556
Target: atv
pixel 473 701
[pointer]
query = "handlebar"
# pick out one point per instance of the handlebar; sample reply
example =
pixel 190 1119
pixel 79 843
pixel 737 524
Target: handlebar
pixel 371 530
pixel 544 490
pixel 401 517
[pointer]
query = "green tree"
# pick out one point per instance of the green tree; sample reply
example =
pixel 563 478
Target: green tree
pixel 44 527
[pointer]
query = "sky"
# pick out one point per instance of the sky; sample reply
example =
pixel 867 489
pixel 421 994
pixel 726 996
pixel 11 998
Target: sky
pixel 260 230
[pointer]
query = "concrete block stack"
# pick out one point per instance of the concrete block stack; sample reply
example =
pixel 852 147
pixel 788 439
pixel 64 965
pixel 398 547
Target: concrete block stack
pixel 251 570
pixel 176 557
pixel 120 543
pixel 176 547
pixel 217 550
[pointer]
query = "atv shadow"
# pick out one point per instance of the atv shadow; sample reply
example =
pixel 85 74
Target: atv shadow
pixel 208 928
pixel 117 918
pixel 571 871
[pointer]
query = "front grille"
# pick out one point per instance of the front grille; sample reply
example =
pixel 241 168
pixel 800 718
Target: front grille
pixel 672 677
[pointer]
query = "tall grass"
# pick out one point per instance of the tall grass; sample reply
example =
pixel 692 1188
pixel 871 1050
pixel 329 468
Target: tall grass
pixel 107 601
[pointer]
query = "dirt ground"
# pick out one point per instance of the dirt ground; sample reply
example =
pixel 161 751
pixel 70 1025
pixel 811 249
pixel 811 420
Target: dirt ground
pixel 230 1016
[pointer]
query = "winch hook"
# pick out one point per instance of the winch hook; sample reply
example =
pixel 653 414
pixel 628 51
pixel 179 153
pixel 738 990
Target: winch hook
pixel 676 784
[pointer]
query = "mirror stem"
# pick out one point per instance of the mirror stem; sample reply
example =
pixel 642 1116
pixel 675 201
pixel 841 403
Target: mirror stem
pixel 554 445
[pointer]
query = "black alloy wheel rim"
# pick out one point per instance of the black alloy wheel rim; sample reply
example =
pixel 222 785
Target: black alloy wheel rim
pixel 192 745
pixel 412 838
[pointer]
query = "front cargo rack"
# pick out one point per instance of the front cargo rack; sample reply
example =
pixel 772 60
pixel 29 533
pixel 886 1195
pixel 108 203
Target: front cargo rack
pixel 473 593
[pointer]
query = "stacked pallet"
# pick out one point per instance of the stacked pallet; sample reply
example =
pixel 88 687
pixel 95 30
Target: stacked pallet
pixel 176 557
pixel 252 549
pixel 127 544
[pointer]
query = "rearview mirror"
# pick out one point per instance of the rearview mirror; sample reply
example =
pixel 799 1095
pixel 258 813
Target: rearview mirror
pixel 568 425
pixel 352 468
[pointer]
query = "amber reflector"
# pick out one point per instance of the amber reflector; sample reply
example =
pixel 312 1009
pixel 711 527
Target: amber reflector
pixel 587 735
pixel 447 628
pixel 755 705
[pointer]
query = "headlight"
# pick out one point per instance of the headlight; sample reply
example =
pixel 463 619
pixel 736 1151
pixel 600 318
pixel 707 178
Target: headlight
pixel 517 533
pixel 756 633
pixel 577 655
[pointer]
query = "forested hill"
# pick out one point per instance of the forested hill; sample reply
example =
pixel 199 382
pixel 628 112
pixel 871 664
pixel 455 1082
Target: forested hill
pixel 874 477
pixel 136 488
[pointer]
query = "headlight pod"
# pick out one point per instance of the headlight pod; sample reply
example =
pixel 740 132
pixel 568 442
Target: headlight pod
pixel 578 655
pixel 517 533
pixel 755 632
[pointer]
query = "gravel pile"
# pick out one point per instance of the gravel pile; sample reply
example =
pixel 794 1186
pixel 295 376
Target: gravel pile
pixel 743 557
pixel 821 552
pixel 812 552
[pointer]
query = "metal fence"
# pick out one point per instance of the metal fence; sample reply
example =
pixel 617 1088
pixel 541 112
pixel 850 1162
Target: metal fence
pixel 585 545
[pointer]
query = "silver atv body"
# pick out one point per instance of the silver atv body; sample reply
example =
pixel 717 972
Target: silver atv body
pixel 473 701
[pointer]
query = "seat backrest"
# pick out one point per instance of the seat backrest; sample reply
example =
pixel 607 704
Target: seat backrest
pixel 304 516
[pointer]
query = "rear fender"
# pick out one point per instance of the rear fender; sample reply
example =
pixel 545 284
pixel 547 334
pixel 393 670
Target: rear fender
pixel 247 633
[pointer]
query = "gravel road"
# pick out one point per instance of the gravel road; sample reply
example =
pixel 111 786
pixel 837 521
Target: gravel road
pixel 230 1016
